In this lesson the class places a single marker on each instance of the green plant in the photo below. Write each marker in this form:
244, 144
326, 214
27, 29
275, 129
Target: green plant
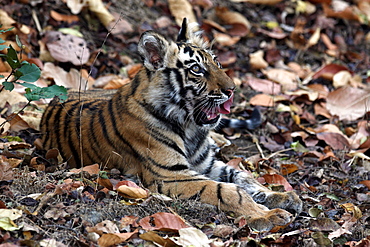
24, 73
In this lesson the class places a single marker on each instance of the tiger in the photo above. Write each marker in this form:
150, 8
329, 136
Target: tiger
157, 128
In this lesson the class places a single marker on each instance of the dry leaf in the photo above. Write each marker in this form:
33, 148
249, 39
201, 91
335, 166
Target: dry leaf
263, 85
328, 71
341, 79
287, 79
163, 222
267, 2
288, 168
236, 23
154, 237
262, 100
12, 98
76, 5
277, 179
72, 79
132, 192
314, 38
105, 226
324, 224
181, 9
257, 61
191, 237
66, 47
66, 18
348, 103
101, 12
112, 239
225, 40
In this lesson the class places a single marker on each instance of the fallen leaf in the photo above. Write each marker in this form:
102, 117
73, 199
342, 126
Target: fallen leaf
262, 100
287, 79
181, 9
352, 209
277, 179
66, 47
191, 237
105, 226
341, 78
263, 85
163, 222
324, 224
66, 18
225, 40
267, 2
76, 5
348, 103
236, 23
335, 140
328, 71
12, 214
111, 239
101, 12
154, 237
132, 192
72, 79
288, 168
8, 225
257, 61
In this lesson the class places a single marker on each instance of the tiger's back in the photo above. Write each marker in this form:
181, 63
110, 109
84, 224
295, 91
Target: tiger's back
157, 127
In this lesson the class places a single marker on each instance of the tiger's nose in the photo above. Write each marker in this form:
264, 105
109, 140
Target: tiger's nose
228, 92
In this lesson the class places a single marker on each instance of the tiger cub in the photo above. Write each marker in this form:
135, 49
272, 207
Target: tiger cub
157, 126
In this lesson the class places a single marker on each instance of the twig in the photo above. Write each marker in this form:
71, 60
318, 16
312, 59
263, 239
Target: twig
16, 114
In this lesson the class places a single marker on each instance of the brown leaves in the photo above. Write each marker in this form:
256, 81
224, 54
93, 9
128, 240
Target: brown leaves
66, 47
348, 103
162, 221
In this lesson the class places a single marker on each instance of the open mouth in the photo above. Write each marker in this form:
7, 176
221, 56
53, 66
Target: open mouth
212, 115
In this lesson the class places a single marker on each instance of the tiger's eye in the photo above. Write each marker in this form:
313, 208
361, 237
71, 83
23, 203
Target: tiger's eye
195, 68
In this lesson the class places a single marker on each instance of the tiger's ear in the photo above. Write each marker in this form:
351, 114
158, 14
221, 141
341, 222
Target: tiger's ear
153, 47
189, 33
183, 34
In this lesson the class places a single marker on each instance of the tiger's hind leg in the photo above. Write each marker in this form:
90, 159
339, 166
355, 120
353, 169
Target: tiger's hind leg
228, 196
260, 194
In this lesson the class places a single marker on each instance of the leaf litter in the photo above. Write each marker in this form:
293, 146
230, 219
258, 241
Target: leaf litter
291, 59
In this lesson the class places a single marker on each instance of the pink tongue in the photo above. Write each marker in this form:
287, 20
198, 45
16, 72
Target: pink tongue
225, 107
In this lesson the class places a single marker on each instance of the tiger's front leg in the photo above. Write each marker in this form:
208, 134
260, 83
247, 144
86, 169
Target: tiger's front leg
260, 194
187, 184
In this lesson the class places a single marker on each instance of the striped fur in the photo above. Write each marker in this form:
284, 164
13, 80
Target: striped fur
157, 127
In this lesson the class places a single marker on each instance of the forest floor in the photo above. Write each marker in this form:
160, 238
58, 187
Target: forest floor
304, 64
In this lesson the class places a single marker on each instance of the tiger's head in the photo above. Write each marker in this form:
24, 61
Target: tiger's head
187, 82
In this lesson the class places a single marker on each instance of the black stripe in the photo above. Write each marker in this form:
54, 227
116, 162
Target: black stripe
240, 192
165, 140
92, 106
198, 194
219, 193
231, 175
185, 180
57, 131
119, 134
202, 157
167, 122
223, 174
176, 167
70, 114
44, 122
209, 168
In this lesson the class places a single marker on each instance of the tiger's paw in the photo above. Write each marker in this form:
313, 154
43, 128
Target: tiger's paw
285, 200
268, 220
